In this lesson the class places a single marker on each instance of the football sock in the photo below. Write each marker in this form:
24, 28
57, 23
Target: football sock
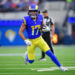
53, 57
30, 61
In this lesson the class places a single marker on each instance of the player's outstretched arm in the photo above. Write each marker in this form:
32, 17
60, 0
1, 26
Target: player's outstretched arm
53, 30
22, 28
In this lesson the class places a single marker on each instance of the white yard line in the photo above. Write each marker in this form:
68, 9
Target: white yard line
15, 68
54, 68
38, 70
68, 61
16, 54
13, 47
12, 54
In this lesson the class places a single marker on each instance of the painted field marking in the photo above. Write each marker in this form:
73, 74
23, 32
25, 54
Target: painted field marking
43, 69
53, 69
16, 54
37, 69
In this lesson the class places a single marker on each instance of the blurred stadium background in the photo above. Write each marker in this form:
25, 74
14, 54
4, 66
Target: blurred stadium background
11, 58
61, 11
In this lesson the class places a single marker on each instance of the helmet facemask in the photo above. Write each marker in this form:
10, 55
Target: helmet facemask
33, 14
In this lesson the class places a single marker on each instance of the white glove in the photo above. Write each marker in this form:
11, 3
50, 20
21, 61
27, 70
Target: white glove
45, 29
28, 43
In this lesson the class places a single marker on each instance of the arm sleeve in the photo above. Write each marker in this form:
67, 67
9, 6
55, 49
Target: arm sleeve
51, 22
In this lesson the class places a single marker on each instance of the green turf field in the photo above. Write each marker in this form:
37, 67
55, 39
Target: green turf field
12, 62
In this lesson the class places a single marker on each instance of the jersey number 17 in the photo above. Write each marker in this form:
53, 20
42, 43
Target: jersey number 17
35, 27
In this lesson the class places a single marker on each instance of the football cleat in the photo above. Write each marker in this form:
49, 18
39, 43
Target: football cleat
63, 68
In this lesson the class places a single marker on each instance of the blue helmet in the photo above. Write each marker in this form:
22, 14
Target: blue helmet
34, 8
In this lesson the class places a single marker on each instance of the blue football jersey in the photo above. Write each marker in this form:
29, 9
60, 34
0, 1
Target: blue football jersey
33, 27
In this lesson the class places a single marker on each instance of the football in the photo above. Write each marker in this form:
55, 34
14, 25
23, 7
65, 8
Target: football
45, 28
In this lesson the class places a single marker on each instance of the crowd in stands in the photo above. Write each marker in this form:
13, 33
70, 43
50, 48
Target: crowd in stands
16, 5
22, 5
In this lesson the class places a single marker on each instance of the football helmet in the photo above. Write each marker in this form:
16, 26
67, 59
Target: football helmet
33, 11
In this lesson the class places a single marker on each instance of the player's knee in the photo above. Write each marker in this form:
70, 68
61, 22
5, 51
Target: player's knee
31, 61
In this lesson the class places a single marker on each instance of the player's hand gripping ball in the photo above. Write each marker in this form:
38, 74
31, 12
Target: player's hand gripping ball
45, 28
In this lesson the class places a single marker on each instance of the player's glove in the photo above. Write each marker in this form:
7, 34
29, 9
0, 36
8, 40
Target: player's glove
45, 29
28, 43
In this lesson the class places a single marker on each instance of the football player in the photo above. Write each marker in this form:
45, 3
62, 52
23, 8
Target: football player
33, 24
